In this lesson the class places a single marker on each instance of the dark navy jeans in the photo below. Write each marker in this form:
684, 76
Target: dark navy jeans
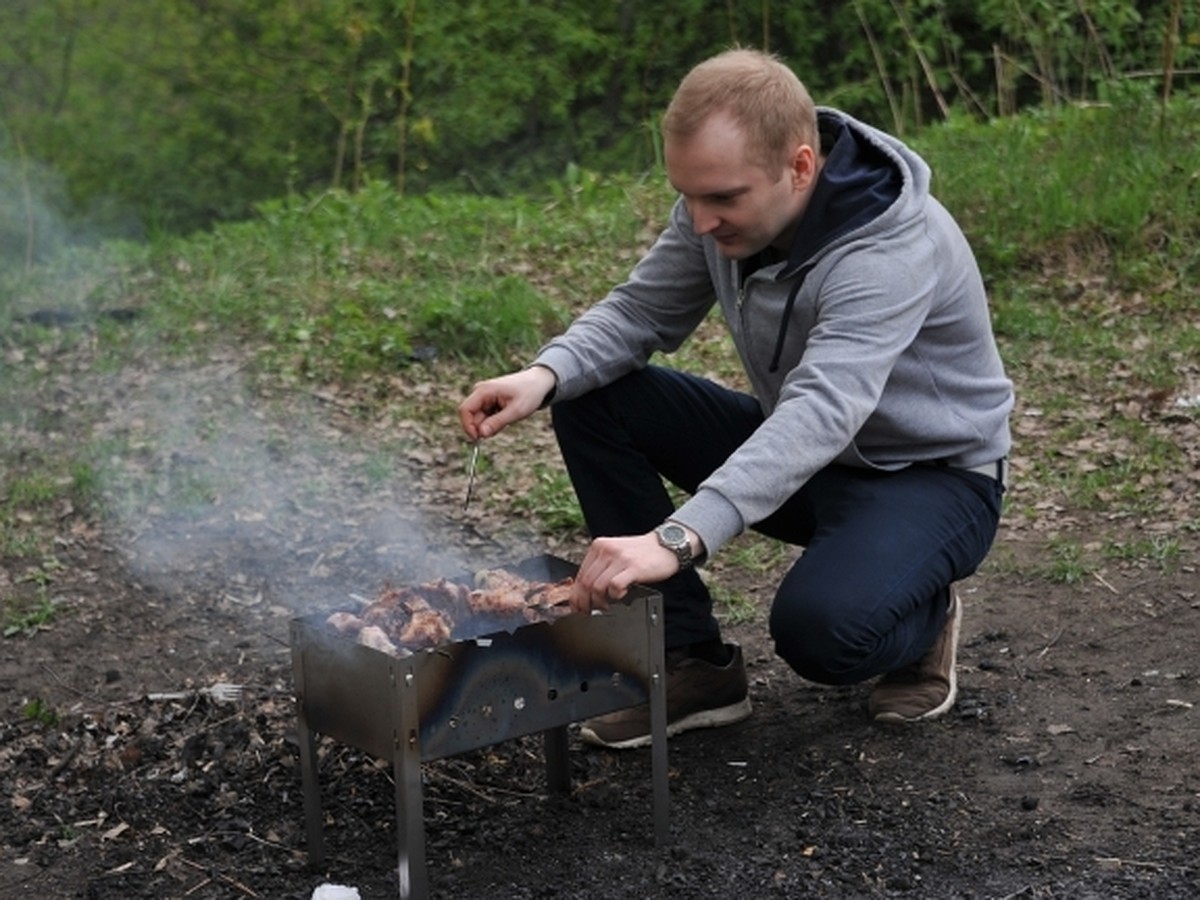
867, 595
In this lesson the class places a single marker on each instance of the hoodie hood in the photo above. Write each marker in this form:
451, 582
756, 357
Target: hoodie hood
858, 182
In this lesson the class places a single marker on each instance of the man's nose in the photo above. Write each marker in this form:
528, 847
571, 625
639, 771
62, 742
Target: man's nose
703, 219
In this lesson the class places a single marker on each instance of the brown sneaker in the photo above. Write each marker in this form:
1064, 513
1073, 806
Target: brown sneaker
700, 694
927, 688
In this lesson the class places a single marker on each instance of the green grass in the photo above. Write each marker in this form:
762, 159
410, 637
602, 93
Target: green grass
732, 607
26, 611
343, 286
1069, 562
1108, 182
1161, 552
34, 493
38, 710
551, 502
28, 619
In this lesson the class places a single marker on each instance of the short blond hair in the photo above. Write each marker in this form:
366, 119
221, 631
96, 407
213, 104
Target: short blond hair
765, 98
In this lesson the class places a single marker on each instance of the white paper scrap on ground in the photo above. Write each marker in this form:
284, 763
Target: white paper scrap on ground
336, 892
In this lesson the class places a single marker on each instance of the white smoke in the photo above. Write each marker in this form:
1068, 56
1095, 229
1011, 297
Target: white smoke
255, 499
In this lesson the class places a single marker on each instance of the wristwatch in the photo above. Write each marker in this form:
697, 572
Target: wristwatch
674, 537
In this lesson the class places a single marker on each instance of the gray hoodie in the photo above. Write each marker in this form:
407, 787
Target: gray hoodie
870, 346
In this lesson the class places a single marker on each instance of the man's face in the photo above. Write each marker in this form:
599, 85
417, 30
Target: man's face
742, 206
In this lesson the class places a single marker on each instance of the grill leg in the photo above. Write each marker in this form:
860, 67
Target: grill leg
311, 787
410, 816
313, 826
558, 767
658, 720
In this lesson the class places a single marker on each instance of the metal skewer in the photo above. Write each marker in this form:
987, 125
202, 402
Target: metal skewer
471, 467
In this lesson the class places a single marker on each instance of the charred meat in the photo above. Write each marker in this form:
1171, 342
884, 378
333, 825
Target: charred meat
404, 619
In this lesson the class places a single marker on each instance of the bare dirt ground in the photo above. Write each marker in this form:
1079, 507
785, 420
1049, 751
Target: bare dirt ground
1067, 769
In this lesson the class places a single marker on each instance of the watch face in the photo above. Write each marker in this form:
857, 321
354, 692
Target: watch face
673, 534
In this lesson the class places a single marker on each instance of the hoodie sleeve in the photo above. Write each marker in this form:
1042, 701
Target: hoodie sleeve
665, 298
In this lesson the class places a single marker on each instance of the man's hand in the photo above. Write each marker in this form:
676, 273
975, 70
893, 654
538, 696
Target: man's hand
613, 564
498, 402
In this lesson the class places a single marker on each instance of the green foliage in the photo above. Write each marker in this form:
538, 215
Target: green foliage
142, 118
345, 284
34, 491
26, 614
1112, 176
32, 498
1160, 551
732, 607
487, 319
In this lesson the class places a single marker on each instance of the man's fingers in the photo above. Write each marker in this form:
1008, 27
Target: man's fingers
604, 575
584, 600
481, 414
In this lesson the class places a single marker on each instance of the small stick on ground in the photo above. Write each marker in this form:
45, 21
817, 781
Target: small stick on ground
232, 882
1049, 646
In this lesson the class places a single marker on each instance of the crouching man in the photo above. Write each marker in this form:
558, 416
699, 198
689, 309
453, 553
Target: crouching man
876, 433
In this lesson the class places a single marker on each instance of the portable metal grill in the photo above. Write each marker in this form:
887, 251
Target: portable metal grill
475, 691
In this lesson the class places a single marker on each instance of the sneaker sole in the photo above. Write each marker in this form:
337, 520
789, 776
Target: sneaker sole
888, 718
707, 718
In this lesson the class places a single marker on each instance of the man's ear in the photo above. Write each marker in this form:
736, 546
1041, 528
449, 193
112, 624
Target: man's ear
803, 167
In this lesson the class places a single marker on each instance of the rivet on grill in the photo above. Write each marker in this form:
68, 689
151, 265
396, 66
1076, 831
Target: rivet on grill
519, 703
453, 723
616, 679
408, 679
486, 710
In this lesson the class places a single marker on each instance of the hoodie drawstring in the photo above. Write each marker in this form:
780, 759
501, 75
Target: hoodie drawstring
783, 324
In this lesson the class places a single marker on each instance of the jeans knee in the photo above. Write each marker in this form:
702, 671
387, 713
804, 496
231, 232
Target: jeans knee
817, 640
